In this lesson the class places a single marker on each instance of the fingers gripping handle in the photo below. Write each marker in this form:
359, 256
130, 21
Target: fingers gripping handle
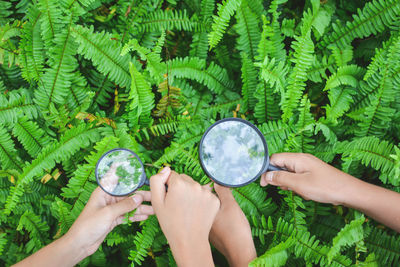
275, 168
147, 182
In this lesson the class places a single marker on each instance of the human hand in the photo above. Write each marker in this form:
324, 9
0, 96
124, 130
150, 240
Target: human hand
101, 214
230, 232
309, 177
185, 213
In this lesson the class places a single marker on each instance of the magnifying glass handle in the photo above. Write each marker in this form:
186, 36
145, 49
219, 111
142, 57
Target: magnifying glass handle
147, 182
275, 168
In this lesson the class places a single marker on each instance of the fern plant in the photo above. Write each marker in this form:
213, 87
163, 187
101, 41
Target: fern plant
78, 78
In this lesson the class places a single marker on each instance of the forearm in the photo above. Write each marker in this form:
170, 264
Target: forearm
62, 252
381, 204
192, 253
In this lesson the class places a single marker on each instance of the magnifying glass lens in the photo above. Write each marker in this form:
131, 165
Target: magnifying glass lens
232, 153
119, 172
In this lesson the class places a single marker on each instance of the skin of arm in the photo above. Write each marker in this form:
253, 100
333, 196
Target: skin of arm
101, 214
185, 213
316, 180
231, 232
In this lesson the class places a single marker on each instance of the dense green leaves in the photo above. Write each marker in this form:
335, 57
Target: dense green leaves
78, 78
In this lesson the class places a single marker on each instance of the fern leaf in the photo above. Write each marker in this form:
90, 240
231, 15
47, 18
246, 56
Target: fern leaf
372, 150
57, 78
37, 230
372, 19
142, 99
214, 77
274, 257
50, 21
30, 135
72, 141
8, 155
104, 53
385, 247
345, 75
249, 79
248, 30
18, 104
225, 10
32, 56
251, 199
144, 240
303, 48
169, 20
348, 235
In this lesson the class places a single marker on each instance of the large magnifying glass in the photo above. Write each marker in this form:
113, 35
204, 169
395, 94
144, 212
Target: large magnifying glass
233, 152
120, 172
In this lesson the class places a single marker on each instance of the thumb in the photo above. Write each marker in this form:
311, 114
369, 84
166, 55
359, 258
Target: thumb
157, 186
126, 205
279, 178
224, 193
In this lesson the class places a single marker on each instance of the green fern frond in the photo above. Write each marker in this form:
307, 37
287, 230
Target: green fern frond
300, 140
141, 97
214, 77
274, 257
32, 54
169, 20
271, 40
104, 53
375, 152
307, 246
50, 21
153, 61
3, 242
350, 234
61, 211
73, 140
372, 19
385, 247
225, 10
62, 64
251, 199
345, 75
37, 230
8, 154
166, 126
16, 104
248, 30
302, 58
30, 135
144, 240
275, 133
340, 99
249, 79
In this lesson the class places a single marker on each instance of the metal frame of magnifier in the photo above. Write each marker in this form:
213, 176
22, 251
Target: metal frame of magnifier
144, 180
265, 164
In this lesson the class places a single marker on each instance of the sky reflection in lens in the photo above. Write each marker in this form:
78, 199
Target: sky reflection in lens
119, 172
233, 153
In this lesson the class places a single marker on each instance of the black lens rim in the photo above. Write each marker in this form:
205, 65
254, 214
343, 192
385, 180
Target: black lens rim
266, 156
143, 178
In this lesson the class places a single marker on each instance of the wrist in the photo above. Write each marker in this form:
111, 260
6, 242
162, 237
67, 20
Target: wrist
71, 245
192, 252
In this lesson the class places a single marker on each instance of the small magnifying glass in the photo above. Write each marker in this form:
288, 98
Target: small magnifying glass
233, 152
120, 172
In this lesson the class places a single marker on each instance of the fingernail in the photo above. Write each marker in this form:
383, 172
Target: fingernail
137, 199
263, 182
165, 170
269, 176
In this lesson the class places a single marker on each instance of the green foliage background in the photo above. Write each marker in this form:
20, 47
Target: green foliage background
80, 77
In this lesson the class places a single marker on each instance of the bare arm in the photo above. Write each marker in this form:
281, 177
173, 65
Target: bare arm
313, 179
100, 215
